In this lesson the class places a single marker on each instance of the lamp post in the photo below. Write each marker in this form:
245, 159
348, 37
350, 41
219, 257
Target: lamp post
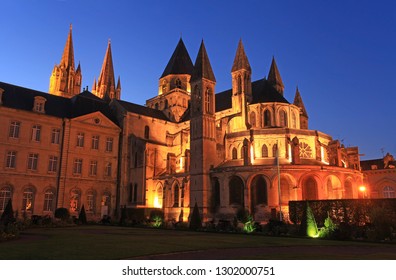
362, 189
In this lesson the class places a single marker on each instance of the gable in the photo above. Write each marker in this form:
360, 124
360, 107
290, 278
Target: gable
96, 119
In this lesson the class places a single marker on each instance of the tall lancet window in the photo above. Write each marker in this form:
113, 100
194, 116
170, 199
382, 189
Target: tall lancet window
208, 101
239, 84
282, 118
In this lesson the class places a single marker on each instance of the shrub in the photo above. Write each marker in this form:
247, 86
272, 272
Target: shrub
195, 222
62, 213
82, 217
8, 214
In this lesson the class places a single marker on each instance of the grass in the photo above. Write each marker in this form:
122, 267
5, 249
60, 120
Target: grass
109, 242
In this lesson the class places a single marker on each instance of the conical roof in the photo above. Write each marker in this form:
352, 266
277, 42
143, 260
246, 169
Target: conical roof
180, 62
202, 67
299, 103
240, 61
68, 53
274, 76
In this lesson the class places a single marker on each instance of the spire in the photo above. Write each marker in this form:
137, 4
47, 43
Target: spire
274, 77
68, 53
202, 67
299, 103
241, 61
106, 82
94, 86
180, 62
119, 83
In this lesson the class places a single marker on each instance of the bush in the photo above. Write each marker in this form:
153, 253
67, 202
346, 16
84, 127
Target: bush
82, 217
195, 222
8, 214
62, 213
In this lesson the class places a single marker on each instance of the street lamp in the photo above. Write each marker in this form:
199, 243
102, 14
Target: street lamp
362, 189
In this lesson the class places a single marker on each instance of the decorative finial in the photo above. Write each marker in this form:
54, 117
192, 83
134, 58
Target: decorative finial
71, 27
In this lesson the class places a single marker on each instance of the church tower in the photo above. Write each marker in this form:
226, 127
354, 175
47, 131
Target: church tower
241, 84
303, 112
106, 87
65, 79
202, 133
274, 77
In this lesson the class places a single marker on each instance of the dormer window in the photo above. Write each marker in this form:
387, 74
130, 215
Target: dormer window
178, 83
39, 104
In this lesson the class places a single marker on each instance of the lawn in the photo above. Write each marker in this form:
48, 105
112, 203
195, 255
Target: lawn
110, 242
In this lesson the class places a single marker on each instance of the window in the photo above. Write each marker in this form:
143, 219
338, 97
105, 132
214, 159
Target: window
77, 166
80, 139
11, 159
146, 132
178, 83
27, 200
282, 118
305, 150
5, 196
108, 169
53, 164
36, 133
32, 162
109, 144
275, 150
14, 129
234, 153
293, 120
176, 197
208, 101
95, 142
39, 104
267, 118
55, 136
93, 168
264, 151
90, 201
49, 200
389, 192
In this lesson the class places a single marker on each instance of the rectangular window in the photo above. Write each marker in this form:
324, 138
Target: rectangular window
109, 144
14, 129
36, 133
77, 166
11, 159
108, 169
80, 139
55, 136
53, 164
32, 162
93, 168
90, 202
95, 142
48, 201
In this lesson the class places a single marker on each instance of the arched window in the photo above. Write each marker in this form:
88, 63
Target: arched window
208, 101
259, 191
282, 118
264, 151
160, 196
234, 153
28, 199
253, 119
236, 191
239, 84
106, 203
146, 132
49, 200
389, 192
5, 196
178, 83
176, 195
285, 190
310, 189
267, 118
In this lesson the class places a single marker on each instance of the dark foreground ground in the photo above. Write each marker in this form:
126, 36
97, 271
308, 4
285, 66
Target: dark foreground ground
110, 242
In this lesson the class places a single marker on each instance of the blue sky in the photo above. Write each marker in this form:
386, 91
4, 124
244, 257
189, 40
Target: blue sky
341, 54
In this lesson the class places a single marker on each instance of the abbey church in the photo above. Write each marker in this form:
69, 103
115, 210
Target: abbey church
247, 147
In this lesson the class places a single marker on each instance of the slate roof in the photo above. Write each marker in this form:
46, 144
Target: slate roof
143, 110
84, 103
366, 164
202, 67
180, 62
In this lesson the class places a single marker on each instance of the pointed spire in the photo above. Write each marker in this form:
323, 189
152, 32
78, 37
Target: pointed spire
78, 68
119, 83
68, 53
94, 86
241, 61
180, 62
274, 77
202, 67
106, 81
299, 103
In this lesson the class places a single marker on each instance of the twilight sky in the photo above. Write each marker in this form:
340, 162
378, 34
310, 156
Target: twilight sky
341, 54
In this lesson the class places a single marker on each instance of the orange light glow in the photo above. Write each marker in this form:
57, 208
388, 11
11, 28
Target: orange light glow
362, 188
251, 154
157, 203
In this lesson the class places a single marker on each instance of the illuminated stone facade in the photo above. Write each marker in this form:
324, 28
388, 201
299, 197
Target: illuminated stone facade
247, 147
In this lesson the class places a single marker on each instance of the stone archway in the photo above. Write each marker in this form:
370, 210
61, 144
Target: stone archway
236, 191
310, 189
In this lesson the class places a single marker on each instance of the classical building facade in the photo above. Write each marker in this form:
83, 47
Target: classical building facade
246, 147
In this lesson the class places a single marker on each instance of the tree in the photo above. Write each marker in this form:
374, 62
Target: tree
8, 214
195, 222
82, 217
